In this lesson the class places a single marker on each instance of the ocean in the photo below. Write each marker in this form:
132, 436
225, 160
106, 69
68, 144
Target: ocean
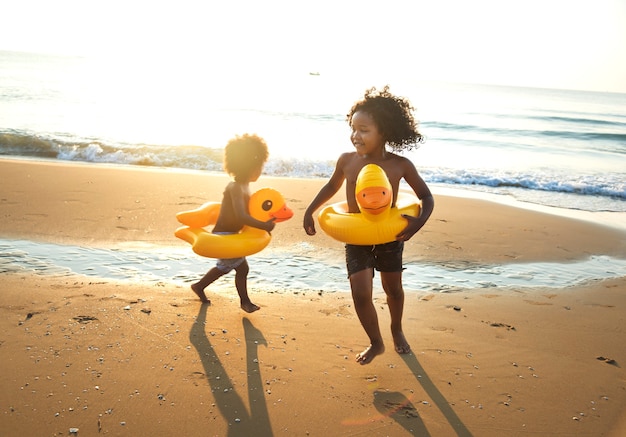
546, 148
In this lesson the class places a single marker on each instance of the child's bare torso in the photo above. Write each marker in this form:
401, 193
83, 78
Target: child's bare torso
392, 164
229, 220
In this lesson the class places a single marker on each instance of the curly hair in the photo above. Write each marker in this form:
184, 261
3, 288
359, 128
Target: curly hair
244, 155
394, 117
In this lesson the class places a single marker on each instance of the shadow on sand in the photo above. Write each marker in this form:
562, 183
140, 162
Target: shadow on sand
398, 407
241, 420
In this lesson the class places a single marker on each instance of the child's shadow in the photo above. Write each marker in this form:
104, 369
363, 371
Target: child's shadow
403, 411
399, 408
229, 402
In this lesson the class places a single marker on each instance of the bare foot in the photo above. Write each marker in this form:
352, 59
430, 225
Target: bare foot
369, 353
200, 293
402, 346
249, 307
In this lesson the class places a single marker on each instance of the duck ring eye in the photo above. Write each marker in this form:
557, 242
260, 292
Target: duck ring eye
267, 205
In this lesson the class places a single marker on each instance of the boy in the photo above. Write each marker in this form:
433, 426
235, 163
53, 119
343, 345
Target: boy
244, 157
378, 120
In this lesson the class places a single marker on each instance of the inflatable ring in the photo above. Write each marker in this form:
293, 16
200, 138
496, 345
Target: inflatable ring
378, 222
264, 205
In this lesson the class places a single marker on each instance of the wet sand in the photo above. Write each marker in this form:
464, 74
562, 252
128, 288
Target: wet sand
133, 358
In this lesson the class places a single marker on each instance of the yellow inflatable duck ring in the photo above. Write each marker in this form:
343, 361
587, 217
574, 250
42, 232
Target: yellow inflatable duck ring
264, 205
378, 222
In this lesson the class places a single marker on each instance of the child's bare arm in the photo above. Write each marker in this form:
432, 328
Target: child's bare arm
415, 181
241, 210
332, 186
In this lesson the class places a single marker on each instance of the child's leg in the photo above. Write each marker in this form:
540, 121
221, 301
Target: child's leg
392, 284
361, 285
241, 283
206, 280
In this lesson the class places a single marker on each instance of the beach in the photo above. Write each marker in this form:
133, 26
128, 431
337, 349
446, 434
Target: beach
130, 358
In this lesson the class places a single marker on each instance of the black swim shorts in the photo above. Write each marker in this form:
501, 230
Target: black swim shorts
382, 257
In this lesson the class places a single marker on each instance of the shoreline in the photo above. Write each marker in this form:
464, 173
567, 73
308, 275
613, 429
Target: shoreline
76, 203
132, 357
611, 219
285, 270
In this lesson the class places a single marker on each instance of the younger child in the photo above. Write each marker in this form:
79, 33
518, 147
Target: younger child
378, 120
244, 157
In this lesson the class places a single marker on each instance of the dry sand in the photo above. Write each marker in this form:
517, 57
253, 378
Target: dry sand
128, 358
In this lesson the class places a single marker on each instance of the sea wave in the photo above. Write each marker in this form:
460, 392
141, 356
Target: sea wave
98, 151
457, 129
585, 121
193, 157
612, 186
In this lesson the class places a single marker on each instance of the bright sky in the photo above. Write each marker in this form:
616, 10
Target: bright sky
575, 44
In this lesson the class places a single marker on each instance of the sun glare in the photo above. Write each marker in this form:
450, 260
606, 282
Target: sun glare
558, 43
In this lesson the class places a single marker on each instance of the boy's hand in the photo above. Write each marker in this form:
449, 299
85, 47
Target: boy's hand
309, 224
269, 225
414, 224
